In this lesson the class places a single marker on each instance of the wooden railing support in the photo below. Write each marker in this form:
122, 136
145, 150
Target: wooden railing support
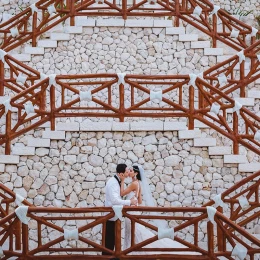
2, 78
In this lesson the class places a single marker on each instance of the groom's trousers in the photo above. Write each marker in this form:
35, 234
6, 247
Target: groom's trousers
110, 236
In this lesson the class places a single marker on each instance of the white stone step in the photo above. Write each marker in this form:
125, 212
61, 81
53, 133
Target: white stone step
221, 58
200, 44
175, 126
198, 124
213, 51
249, 102
2, 167
247, 67
9, 159
22, 57
175, 30
219, 150
38, 142
18, 150
204, 142
96, 126
139, 23
162, 23
146, 126
189, 134
53, 135
235, 158
85, 21
72, 126
110, 22
120, 126
249, 167
188, 37
253, 93
73, 29
47, 43
34, 50
60, 36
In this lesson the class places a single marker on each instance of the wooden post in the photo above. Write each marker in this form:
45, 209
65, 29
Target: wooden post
72, 13
177, 14
215, 28
220, 234
8, 132
235, 129
34, 30
118, 239
124, 9
210, 240
52, 119
122, 102
191, 105
2, 77
25, 237
17, 232
242, 78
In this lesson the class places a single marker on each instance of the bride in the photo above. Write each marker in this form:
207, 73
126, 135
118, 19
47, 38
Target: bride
140, 189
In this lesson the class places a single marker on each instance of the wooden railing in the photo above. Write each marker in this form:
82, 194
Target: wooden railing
43, 238
180, 98
220, 26
48, 220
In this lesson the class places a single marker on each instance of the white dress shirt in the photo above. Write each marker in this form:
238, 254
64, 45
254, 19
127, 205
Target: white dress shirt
112, 195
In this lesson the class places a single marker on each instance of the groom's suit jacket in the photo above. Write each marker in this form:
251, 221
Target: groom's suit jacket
112, 195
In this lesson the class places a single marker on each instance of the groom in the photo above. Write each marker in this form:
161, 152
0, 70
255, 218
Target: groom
112, 197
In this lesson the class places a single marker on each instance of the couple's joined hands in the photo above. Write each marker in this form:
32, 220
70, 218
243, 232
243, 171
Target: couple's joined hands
133, 201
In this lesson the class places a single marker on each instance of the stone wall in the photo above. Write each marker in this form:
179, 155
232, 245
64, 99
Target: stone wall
73, 172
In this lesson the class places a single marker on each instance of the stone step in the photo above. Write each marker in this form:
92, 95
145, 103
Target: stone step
213, 51
53, 135
38, 142
96, 126
139, 23
204, 142
22, 57
110, 22
34, 50
22, 150
221, 58
72, 126
249, 167
60, 36
175, 126
9, 159
253, 93
47, 44
235, 158
189, 134
188, 37
220, 150
175, 30
73, 29
200, 44
146, 126
85, 21
162, 23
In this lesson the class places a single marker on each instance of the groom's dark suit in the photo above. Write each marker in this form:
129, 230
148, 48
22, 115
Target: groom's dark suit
112, 197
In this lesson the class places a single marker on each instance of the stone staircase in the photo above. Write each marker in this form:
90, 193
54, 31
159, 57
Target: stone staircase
40, 146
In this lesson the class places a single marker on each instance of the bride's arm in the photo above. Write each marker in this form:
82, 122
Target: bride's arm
140, 199
130, 188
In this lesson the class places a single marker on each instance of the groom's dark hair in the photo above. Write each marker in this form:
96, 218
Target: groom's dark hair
120, 168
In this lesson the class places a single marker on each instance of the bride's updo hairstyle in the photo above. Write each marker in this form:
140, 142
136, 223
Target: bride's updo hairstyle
136, 169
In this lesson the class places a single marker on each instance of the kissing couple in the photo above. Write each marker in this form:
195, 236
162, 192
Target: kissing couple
136, 192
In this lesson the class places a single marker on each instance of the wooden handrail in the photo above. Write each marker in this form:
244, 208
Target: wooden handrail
183, 11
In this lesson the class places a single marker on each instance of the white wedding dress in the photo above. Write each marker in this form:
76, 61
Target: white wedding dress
142, 233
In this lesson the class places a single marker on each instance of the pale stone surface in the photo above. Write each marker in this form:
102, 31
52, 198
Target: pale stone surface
9, 159
146, 126
38, 142
171, 126
219, 150
249, 167
188, 37
232, 158
204, 142
53, 135
189, 134
93, 126
23, 150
